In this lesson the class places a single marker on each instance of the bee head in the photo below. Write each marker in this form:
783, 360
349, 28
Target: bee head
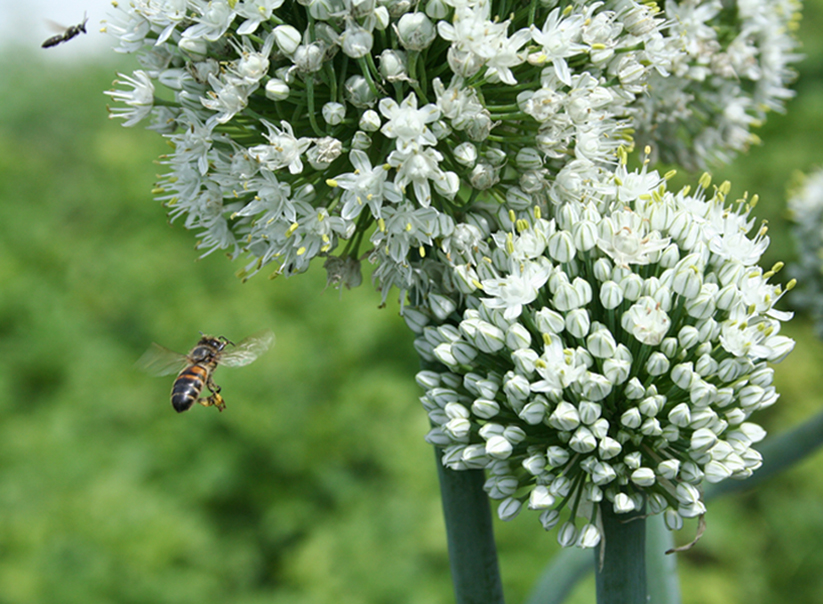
216, 343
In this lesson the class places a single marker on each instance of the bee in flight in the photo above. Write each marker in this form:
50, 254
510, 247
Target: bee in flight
195, 369
68, 32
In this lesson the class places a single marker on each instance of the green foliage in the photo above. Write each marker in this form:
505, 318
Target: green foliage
315, 484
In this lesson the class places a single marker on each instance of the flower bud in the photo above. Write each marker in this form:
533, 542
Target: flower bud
564, 417
631, 418
567, 534
583, 441
466, 154
529, 158
682, 375
308, 58
333, 113
716, 471
623, 504
393, 65
549, 519
508, 508
673, 520
485, 409
561, 247
589, 536
370, 121
438, 437
549, 321
415, 31
277, 89
617, 371
194, 47
533, 413
483, 176
534, 464
584, 235
609, 448
498, 447
361, 141
702, 440
577, 322
358, 92
632, 286
680, 415
643, 477
458, 429
601, 344
668, 469
657, 364
557, 457
611, 295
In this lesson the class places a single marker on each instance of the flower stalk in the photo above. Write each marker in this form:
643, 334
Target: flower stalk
472, 550
620, 567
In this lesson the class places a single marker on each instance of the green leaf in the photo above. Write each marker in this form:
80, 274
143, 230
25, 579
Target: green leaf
561, 576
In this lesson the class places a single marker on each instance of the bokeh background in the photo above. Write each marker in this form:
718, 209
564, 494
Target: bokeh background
315, 485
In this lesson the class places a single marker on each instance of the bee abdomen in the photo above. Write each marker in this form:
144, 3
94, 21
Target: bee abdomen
187, 387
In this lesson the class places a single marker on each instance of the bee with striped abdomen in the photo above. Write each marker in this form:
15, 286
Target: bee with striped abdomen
68, 32
195, 369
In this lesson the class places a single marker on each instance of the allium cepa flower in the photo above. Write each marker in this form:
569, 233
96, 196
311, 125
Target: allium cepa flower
354, 130
612, 355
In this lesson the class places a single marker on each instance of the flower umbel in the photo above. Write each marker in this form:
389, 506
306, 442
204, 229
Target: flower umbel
353, 109
582, 377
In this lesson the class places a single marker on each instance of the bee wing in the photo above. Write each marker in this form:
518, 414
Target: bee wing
55, 27
248, 349
159, 360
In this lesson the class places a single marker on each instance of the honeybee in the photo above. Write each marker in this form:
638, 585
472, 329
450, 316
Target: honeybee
195, 369
68, 33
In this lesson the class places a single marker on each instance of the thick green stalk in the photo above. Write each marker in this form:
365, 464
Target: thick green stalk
622, 577
472, 551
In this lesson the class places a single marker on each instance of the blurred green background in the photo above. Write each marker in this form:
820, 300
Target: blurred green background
315, 485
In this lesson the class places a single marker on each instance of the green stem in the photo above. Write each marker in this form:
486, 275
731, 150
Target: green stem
622, 577
472, 551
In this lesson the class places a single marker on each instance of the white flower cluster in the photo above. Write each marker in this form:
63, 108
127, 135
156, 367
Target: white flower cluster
352, 128
734, 70
806, 212
610, 356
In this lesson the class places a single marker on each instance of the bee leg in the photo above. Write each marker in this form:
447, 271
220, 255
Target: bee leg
213, 400
212, 386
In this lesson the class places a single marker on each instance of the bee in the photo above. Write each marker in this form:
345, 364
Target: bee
68, 33
195, 369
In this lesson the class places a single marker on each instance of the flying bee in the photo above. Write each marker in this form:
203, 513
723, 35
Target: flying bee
195, 369
68, 32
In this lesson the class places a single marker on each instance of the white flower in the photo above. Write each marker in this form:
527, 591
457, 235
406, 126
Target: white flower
512, 292
365, 187
626, 241
140, 99
558, 39
284, 149
646, 321
408, 124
